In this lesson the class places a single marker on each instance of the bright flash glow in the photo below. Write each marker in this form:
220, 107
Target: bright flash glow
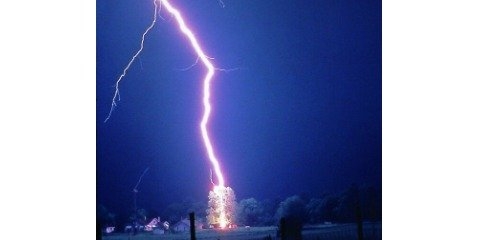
219, 191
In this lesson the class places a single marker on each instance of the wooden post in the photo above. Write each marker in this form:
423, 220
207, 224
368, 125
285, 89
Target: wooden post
282, 228
192, 226
359, 218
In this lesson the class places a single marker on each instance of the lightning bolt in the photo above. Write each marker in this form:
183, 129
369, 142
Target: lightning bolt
220, 189
206, 88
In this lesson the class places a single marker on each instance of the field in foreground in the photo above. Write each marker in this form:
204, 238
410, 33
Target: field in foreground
372, 231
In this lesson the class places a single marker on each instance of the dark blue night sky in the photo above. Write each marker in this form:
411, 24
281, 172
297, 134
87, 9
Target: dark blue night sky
302, 114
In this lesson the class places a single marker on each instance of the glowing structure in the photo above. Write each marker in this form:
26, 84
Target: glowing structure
221, 192
221, 206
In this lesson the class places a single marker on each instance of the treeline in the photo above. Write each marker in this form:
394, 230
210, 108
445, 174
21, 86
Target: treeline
346, 206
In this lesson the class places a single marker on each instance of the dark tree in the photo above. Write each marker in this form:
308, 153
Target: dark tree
327, 209
314, 210
249, 212
269, 210
292, 215
177, 211
138, 217
346, 209
370, 200
174, 212
105, 217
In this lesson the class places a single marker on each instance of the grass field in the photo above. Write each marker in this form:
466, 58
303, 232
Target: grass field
372, 231
233, 234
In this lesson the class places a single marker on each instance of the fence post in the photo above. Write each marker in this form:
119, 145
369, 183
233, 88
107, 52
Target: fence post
282, 228
192, 226
359, 222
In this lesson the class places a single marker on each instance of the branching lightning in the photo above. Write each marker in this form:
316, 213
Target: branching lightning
135, 189
222, 193
117, 84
